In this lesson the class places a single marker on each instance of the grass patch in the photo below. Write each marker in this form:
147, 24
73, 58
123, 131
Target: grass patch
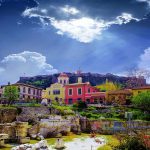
70, 137
111, 141
6, 147
7, 107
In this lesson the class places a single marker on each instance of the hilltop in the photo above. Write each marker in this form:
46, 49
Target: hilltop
45, 81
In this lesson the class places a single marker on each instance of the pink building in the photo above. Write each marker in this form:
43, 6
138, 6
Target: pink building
83, 91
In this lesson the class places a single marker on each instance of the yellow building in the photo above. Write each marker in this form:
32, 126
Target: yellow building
56, 92
138, 90
108, 86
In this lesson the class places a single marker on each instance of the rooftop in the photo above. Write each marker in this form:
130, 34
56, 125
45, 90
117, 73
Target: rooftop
76, 84
28, 85
142, 87
124, 91
63, 75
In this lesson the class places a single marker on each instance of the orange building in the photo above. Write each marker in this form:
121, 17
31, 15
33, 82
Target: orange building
119, 97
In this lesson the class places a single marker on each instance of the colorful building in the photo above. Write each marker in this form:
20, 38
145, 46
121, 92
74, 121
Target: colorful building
62, 91
119, 97
138, 90
83, 91
57, 90
27, 92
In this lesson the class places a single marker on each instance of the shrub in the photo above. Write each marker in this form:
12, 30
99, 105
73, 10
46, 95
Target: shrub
131, 143
142, 100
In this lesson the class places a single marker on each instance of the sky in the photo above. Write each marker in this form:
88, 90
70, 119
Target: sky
39, 37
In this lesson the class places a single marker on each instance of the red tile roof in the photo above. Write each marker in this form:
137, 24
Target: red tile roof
63, 75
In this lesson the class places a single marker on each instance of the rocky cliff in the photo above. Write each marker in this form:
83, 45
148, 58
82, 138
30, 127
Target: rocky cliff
45, 81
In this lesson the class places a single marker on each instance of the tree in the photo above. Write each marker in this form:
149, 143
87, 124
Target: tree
108, 86
142, 100
80, 105
11, 93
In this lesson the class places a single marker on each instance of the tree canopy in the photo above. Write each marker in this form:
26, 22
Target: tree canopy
80, 105
142, 100
11, 94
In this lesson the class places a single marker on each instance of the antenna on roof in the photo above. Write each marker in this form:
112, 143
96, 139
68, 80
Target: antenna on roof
79, 71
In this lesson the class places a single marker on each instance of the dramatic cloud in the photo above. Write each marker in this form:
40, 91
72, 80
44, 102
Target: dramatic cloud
145, 59
125, 18
143, 67
26, 63
69, 10
83, 29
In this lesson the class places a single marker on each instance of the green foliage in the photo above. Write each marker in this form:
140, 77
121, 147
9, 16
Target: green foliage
131, 143
142, 100
63, 110
80, 105
114, 113
27, 105
11, 94
90, 115
91, 108
111, 142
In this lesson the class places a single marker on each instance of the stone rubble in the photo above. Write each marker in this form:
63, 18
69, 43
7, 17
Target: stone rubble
42, 145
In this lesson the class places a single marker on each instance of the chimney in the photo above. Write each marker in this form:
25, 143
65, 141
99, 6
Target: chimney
79, 79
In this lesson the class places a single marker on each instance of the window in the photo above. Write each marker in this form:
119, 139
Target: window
56, 92
40, 93
79, 99
34, 92
88, 90
70, 92
70, 101
88, 101
79, 91
37, 92
64, 81
24, 90
29, 91
61, 81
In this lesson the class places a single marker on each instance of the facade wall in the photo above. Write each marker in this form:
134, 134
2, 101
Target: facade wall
63, 80
120, 97
69, 99
54, 92
86, 94
137, 91
27, 92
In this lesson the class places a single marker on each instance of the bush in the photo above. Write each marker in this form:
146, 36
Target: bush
80, 105
142, 100
64, 110
131, 143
